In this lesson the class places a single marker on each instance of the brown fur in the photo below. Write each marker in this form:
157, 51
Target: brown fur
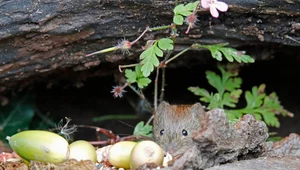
173, 119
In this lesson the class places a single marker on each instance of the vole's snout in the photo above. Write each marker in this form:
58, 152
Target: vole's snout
172, 150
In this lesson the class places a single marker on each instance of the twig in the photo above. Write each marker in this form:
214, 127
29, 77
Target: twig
163, 83
150, 119
127, 66
156, 88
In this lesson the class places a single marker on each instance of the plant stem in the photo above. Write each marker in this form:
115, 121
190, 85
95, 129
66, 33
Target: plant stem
144, 32
126, 66
102, 51
177, 55
141, 95
160, 27
163, 83
156, 88
150, 119
150, 29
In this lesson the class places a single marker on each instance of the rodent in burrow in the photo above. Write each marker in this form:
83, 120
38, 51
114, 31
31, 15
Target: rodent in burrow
173, 126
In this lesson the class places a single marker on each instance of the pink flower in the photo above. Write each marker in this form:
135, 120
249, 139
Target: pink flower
214, 6
118, 91
191, 21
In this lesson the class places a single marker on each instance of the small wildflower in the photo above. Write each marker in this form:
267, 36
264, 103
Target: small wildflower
124, 45
118, 91
214, 6
191, 21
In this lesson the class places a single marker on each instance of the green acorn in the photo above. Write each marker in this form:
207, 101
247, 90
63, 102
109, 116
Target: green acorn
40, 145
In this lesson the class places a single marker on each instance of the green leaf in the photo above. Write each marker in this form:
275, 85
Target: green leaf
215, 101
254, 99
261, 106
270, 118
192, 5
273, 136
229, 81
247, 59
256, 115
206, 97
178, 19
233, 114
215, 53
138, 71
130, 75
230, 54
137, 77
178, 8
233, 83
149, 59
144, 130
143, 82
225, 82
183, 10
215, 81
165, 44
230, 99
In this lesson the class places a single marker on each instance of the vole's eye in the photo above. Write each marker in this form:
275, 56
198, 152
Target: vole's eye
161, 132
184, 132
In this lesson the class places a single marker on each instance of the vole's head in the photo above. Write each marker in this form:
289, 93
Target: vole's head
174, 125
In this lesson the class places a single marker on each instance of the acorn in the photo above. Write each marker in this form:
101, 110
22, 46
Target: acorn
40, 145
82, 150
119, 154
146, 152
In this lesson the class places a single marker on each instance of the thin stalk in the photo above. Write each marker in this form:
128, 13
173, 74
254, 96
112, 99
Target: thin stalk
177, 55
103, 51
163, 83
150, 119
156, 88
141, 95
127, 66
160, 27
144, 32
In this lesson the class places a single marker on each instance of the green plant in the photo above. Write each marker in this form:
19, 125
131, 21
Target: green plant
143, 129
259, 104
158, 52
182, 10
137, 76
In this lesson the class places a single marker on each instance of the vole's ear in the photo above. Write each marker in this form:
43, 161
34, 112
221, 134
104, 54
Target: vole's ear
162, 107
197, 110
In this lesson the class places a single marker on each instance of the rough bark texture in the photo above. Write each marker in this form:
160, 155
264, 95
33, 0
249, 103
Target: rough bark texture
45, 37
265, 163
219, 142
239, 146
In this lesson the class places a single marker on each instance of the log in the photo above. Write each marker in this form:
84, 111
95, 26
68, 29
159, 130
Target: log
42, 38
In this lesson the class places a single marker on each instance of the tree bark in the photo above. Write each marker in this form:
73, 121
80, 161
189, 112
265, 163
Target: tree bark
39, 38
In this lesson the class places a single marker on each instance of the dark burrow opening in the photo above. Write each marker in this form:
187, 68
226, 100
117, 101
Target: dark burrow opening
94, 98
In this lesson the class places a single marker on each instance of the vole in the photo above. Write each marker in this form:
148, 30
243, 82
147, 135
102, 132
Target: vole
173, 126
